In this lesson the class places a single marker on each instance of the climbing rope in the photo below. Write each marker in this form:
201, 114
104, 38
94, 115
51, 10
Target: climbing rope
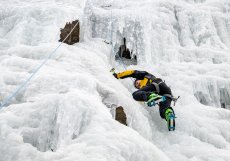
24, 83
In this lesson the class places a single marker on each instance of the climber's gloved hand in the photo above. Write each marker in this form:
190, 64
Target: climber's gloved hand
115, 75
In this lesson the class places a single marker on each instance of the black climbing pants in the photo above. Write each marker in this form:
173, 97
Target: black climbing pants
143, 94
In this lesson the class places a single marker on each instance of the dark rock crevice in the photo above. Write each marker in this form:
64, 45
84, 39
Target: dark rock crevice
120, 115
74, 37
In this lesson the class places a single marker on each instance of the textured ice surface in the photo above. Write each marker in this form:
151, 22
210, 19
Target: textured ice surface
62, 113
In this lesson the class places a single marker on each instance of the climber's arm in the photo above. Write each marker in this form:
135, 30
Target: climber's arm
131, 73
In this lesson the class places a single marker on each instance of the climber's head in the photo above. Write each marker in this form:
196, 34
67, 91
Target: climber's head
137, 83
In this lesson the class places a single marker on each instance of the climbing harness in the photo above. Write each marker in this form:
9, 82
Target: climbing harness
23, 84
157, 86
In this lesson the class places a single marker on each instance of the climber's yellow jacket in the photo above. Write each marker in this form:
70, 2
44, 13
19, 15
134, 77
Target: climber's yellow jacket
145, 77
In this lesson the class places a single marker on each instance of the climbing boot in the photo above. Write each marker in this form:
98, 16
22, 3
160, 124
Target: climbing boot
170, 118
154, 99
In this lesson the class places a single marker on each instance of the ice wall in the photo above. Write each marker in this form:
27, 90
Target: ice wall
61, 114
190, 35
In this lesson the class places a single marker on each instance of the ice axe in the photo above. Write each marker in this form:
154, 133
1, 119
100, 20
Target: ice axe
112, 70
175, 100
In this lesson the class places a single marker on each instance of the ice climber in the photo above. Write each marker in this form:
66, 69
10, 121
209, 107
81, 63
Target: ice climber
153, 91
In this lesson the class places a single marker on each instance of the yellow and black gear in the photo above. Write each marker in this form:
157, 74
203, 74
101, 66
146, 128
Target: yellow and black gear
125, 74
144, 77
149, 84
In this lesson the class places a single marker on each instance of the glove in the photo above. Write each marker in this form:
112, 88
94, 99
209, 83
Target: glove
115, 75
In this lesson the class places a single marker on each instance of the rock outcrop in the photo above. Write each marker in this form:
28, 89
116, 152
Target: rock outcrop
120, 115
74, 37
